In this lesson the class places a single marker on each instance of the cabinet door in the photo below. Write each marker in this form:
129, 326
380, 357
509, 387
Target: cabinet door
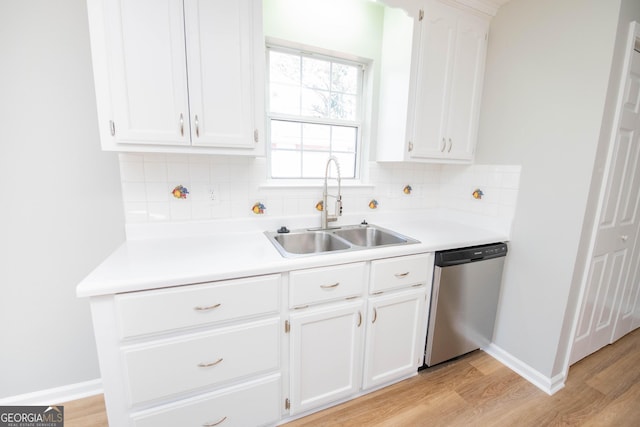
434, 56
147, 71
326, 354
219, 54
449, 76
395, 338
466, 86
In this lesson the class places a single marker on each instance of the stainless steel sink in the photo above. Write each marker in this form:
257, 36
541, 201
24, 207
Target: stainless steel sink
308, 242
348, 238
370, 236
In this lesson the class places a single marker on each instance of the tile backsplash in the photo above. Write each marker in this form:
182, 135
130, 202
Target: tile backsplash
228, 187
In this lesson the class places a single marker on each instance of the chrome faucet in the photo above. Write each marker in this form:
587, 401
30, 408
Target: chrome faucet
326, 218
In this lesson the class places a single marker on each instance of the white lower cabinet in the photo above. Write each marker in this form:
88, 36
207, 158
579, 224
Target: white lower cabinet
203, 354
326, 349
338, 348
394, 342
261, 350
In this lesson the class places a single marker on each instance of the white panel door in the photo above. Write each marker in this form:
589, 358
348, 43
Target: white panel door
629, 310
466, 86
608, 280
219, 53
435, 61
148, 73
326, 354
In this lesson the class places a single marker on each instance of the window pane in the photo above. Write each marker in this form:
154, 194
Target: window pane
314, 164
343, 106
284, 99
286, 135
286, 164
284, 68
316, 137
315, 103
344, 78
315, 73
347, 164
344, 138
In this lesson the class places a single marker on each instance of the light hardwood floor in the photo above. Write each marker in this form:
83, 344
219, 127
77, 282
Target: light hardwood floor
476, 390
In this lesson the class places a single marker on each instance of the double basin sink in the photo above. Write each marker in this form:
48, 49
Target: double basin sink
348, 238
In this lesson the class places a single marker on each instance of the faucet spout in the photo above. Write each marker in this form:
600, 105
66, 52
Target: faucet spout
325, 217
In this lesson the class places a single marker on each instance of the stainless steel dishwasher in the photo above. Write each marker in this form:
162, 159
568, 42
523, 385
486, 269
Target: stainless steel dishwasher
464, 299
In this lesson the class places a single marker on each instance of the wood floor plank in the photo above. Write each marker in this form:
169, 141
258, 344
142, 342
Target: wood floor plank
623, 411
620, 374
87, 412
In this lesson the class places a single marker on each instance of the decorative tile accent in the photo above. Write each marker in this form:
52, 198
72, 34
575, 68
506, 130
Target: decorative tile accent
320, 206
373, 204
258, 208
407, 189
180, 192
477, 194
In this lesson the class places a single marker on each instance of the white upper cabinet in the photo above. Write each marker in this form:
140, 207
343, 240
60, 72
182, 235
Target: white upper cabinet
179, 75
444, 87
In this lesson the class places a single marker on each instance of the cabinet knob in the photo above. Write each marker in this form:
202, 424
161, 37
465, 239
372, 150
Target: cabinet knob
197, 127
410, 146
624, 237
181, 124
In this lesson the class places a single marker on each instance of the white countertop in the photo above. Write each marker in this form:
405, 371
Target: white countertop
189, 253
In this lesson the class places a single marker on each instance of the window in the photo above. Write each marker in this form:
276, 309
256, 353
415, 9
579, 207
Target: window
315, 104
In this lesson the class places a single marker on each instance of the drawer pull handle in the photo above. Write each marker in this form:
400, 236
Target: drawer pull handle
205, 308
359, 318
214, 424
208, 365
335, 285
375, 315
402, 275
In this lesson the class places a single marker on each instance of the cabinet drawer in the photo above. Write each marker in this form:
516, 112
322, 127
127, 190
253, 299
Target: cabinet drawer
255, 404
392, 273
326, 283
174, 366
185, 306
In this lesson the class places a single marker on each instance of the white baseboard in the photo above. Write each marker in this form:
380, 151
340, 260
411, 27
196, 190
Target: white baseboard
55, 395
549, 385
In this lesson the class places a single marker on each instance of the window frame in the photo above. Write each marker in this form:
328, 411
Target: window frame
361, 108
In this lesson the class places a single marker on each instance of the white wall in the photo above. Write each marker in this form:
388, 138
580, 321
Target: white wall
61, 208
546, 82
